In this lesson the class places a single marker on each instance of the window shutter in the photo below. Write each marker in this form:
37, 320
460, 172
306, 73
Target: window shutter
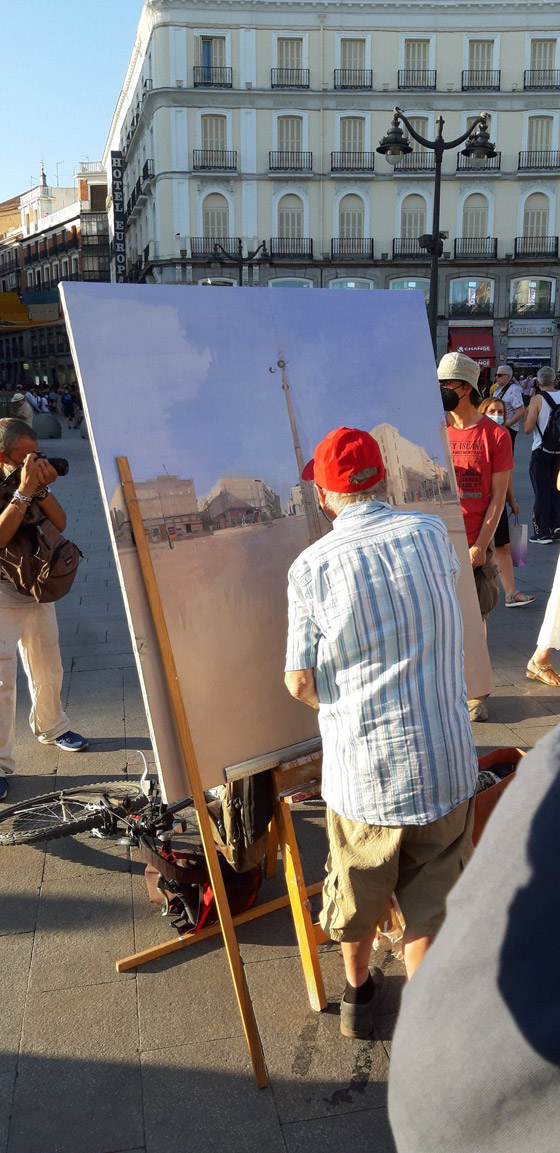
416, 53
480, 55
420, 124
542, 55
214, 132
475, 217
215, 216
290, 218
289, 130
535, 216
351, 218
540, 134
413, 217
352, 134
289, 53
352, 54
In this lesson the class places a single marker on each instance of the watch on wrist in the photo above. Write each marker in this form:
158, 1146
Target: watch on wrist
42, 493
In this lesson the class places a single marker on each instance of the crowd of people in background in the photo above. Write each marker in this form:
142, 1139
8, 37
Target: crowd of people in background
64, 401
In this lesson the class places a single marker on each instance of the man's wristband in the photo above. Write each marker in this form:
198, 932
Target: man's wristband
42, 493
19, 498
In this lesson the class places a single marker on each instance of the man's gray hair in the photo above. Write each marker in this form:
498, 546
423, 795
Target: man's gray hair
506, 368
546, 377
337, 501
12, 431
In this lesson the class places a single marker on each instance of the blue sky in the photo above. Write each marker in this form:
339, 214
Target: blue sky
177, 378
62, 65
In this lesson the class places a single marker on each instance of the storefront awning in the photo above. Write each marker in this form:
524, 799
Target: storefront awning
477, 343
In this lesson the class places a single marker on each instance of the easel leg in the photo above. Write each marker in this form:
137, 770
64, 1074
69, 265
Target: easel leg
297, 892
271, 859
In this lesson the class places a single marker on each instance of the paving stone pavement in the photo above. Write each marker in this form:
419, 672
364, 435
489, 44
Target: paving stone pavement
155, 1061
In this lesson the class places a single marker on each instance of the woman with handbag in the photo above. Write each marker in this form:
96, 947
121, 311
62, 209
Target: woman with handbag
496, 409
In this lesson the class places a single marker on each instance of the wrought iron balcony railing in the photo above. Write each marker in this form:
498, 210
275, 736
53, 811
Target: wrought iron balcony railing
208, 76
210, 159
533, 247
148, 171
290, 161
544, 161
352, 161
408, 249
205, 245
467, 164
531, 311
463, 308
412, 78
352, 248
476, 248
541, 79
289, 77
353, 78
294, 248
417, 162
480, 79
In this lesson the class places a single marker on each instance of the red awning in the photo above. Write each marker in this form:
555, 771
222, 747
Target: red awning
475, 342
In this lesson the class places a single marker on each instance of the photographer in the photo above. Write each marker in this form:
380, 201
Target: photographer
25, 623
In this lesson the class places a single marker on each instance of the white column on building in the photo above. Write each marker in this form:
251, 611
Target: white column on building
248, 57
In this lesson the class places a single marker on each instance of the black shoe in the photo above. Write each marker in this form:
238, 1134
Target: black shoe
541, 539
357, 1020
3, 788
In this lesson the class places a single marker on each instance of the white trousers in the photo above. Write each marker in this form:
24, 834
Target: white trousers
33, 629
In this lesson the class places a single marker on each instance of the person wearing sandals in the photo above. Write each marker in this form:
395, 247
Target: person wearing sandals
497, 411
483, 460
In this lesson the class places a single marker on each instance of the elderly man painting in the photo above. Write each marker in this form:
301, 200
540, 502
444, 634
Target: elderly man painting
375, 644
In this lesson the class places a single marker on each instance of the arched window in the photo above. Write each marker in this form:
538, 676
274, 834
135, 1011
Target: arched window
351, 218
532, 296
213, 132
215, 216
290, 218
535, 215
408, 284
290, 282
470, 296
413, 217
355, 282
475, 216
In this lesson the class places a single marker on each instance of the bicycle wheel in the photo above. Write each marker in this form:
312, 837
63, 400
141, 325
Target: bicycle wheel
69, 811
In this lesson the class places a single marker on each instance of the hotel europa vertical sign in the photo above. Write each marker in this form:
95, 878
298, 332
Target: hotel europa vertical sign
118, 216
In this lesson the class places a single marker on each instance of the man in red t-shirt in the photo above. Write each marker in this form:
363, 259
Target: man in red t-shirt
482, 457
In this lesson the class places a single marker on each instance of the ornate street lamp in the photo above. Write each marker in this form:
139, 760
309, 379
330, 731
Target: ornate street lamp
395, 145
220, 254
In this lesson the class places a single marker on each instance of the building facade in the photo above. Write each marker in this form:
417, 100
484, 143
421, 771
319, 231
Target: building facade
62, 234
241, 122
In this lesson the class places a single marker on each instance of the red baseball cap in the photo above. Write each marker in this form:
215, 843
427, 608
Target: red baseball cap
347, 460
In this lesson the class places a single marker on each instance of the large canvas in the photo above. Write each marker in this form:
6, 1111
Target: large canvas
214, 396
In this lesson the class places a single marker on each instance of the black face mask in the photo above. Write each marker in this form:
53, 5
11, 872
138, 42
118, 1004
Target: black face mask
449, 398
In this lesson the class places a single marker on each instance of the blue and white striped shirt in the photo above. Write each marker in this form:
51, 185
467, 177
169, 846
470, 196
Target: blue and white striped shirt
373, 609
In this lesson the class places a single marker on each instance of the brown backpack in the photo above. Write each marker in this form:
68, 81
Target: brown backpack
38, 561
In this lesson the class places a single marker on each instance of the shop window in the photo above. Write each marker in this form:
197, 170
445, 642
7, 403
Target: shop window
471, 296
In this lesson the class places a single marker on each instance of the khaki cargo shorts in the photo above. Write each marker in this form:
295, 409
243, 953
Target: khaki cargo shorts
366, 863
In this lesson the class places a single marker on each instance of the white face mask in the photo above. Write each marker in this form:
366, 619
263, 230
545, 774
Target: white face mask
496, 417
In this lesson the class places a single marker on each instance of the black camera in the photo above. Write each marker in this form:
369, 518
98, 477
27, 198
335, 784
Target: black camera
59, 463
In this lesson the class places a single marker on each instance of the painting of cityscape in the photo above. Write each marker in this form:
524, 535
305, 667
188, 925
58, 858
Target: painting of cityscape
217, 398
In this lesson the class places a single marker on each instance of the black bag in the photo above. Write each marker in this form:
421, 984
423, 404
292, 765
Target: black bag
185, 891
550, 438
38, 561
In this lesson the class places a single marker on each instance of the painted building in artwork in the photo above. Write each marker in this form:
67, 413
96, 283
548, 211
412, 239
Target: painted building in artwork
412, 474
169, 508
235, 501
241, 122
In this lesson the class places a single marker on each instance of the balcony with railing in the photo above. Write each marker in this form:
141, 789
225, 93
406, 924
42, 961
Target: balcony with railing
352, 161
290, 161
476, 248
537, 160
147, 85
405, 248
352, 248
209, 76
541, 79
353, 79
212, 159
480, 80
535, 247
293, 248
289, 77
463, 309
415, 79
148, 171
416, 162
469, 165
538, 311
205, 245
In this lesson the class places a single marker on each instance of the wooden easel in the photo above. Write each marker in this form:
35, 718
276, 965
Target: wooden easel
288, 780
